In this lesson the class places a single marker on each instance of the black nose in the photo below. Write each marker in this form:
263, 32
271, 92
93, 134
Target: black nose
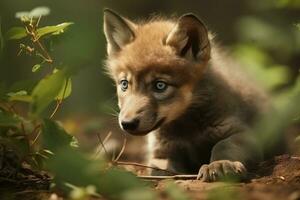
130, 125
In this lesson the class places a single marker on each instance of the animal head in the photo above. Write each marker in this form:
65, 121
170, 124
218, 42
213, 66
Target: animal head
155, 65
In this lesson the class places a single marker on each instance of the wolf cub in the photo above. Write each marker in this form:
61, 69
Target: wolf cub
175, 84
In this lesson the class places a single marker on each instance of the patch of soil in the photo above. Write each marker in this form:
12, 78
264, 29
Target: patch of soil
276, 179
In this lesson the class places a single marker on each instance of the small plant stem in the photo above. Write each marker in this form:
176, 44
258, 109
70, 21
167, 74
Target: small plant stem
47, 56
59, 101
37, 130
102, 144
122, 150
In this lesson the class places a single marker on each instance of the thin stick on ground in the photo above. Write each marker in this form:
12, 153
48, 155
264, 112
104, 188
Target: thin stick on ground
122, 150
174, 177
107, 137
37, 136
103, 146
102, 143
117, 162
145, 166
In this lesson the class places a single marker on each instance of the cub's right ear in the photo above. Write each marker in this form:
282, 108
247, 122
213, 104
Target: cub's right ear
118, 31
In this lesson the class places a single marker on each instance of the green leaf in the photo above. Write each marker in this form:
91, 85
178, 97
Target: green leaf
116, 182
53, 29
7, 119
36, 67
82, 171
259, 65
19, 93
23, 98
82, 192
16, 33
46, 91
54, 136
264, 34
66, 90
269, 130
19, 96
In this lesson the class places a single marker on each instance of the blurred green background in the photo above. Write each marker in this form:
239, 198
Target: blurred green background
260, 33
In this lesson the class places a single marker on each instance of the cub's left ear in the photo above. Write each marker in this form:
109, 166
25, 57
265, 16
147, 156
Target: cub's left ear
189, 37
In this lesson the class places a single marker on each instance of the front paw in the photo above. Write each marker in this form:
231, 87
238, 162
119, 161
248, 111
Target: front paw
221, 169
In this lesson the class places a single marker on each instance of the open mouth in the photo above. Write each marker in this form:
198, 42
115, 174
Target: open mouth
142, 133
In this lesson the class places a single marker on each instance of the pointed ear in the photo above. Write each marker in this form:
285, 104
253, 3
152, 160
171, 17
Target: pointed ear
118, 31
189, 37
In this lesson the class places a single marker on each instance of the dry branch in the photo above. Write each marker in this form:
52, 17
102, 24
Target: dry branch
174, 177
142, 165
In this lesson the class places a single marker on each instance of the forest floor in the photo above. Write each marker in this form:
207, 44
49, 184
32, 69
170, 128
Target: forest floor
276, 179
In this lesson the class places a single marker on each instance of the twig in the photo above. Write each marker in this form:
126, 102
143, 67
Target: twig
38, 21
59, 101
142, 165
122, 150
175, 177
107, 137
47, 55
37, 131
117, 162
103, 146
102, 143
31, 30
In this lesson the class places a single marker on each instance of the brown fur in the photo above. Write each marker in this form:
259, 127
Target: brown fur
213, 105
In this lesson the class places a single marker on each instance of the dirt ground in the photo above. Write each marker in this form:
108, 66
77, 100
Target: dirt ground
276, 179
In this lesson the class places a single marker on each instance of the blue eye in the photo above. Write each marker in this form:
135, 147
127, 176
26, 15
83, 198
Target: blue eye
124, 85
160, 86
